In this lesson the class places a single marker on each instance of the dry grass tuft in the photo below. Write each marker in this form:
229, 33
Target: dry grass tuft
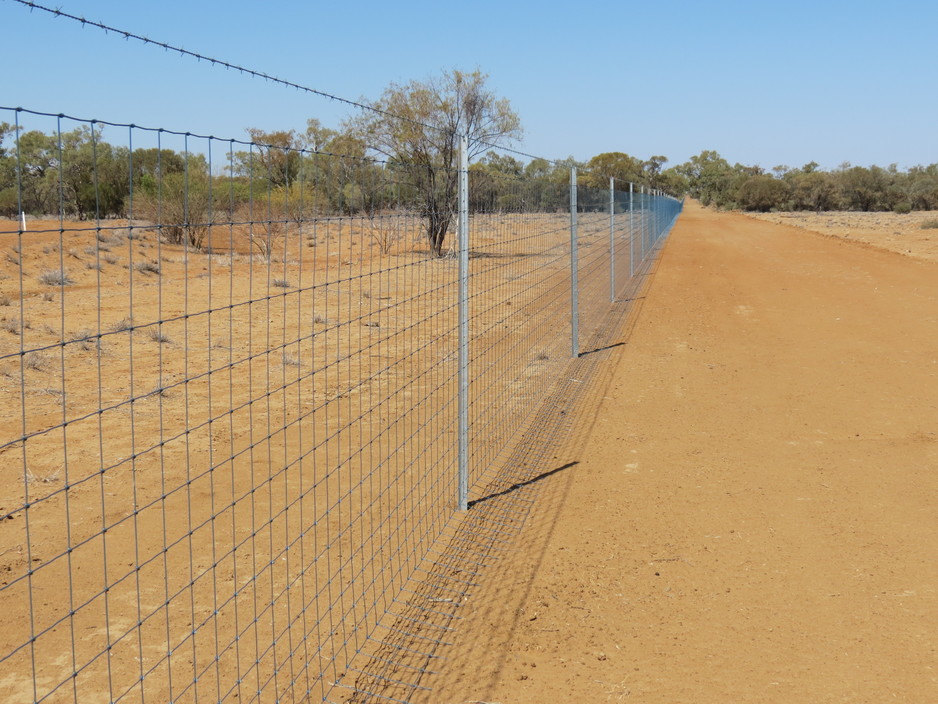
13, 325
88, 340
55, 277
45, 479
148, 267
157, 335
37, 361
123, 324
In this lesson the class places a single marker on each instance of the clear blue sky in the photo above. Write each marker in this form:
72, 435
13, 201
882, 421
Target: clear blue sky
763, 83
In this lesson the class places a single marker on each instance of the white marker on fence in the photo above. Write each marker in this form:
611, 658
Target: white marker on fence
22, 221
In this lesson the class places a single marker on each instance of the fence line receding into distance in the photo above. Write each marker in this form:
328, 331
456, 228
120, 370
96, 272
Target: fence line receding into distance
230, 395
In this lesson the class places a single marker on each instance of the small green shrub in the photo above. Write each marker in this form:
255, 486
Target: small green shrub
902, 208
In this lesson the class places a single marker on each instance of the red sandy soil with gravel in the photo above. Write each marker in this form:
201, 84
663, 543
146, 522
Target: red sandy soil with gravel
753, 515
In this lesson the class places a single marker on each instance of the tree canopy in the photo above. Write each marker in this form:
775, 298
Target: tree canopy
419, 125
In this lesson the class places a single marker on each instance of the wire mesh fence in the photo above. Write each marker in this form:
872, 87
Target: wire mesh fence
229, 382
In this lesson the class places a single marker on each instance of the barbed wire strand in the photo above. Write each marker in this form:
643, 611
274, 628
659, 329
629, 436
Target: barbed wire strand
253, 73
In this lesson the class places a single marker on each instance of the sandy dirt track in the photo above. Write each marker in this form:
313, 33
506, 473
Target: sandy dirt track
753, 516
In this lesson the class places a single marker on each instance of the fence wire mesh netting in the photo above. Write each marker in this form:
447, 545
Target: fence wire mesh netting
230, 403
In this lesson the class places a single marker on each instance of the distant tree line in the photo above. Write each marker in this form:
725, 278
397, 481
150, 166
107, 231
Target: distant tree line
711, 179
81, 175
285, 176
402, 155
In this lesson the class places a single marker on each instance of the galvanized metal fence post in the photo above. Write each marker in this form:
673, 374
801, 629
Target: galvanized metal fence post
653, 222
463, 236
631, 229
612, 239
641, 202
574, 271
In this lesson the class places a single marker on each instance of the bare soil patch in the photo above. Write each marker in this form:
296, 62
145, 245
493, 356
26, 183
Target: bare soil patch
897, 233
752, 516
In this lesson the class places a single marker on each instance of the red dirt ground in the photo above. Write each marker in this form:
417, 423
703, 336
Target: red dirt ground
754, 515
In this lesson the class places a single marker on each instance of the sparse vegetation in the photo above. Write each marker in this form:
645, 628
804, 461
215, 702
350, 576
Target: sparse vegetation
148, 267
123, 325
931, 224
281, 283
88, 340
37, 361
267, 236
385, 229
55, 277
180, 205
157, 335
42, 479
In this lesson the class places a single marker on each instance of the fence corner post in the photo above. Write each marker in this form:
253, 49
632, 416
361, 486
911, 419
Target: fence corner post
463, 402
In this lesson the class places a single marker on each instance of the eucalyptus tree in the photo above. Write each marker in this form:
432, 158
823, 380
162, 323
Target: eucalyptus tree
417, 128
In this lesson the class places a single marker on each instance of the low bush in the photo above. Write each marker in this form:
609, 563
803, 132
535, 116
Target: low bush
55, 277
